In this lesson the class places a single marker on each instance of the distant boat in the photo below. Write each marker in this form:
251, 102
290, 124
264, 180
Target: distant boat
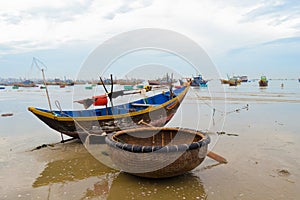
140, 86
156, 110
26, 83
15, 87
299, 80
263, 82
167, 80
2, 88
198, 81
224, 81
244, 78
128, 87
233, 82
89, 87
67, 83
159, 82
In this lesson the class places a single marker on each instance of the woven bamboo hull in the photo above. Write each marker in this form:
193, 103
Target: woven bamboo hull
184, 162
173, 158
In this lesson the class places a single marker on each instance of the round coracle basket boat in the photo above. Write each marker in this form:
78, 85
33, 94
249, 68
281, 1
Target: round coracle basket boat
157, 152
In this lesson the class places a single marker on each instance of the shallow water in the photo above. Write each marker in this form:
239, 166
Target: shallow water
261, 145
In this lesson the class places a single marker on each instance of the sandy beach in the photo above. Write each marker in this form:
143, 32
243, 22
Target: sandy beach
261, 144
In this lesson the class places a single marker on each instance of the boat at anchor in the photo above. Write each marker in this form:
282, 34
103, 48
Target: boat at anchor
156, 110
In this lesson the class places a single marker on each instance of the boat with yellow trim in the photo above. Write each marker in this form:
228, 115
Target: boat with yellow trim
156, 110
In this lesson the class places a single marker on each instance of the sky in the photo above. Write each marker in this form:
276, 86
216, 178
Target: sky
250, 37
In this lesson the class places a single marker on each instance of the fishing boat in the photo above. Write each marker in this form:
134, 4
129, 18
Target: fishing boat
156, 110
26, 83
154, 82
263, 82
161, 152
166, 80
128, 87
233, 82
244, 78
140, 86
224, 81
89, 87
198, 81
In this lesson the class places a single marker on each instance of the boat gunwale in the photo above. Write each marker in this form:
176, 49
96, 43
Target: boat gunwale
49, 114
113, 142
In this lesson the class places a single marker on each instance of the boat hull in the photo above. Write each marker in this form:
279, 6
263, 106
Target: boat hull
159, 153
81, 127
263, 83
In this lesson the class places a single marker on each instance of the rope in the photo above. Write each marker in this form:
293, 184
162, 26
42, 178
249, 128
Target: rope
87, 140
57, 104
221, 111
213, 115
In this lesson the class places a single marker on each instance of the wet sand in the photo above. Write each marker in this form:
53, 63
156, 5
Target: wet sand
261, 145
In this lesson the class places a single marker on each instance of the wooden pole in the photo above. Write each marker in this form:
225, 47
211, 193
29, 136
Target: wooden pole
46, 90
216, 157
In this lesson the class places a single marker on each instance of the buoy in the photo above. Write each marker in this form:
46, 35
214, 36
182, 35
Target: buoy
100, 100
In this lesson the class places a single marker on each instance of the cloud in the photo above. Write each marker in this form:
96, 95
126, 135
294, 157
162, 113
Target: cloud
280, 41
65, 12
277, 12
10, 18
127, 6
220, 27
283, 41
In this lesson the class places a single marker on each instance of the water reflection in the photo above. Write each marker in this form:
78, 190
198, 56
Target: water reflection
69, 162
186, 186
71, 172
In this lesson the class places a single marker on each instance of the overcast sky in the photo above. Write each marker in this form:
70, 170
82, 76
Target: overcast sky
251, 37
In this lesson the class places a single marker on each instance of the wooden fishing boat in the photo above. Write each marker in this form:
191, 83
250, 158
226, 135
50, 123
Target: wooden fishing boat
233, 82
224, 81
26, 83
263, 82
156, 110
155, 82
157, 152
140, 86
198, 81
244, 78
128, 87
